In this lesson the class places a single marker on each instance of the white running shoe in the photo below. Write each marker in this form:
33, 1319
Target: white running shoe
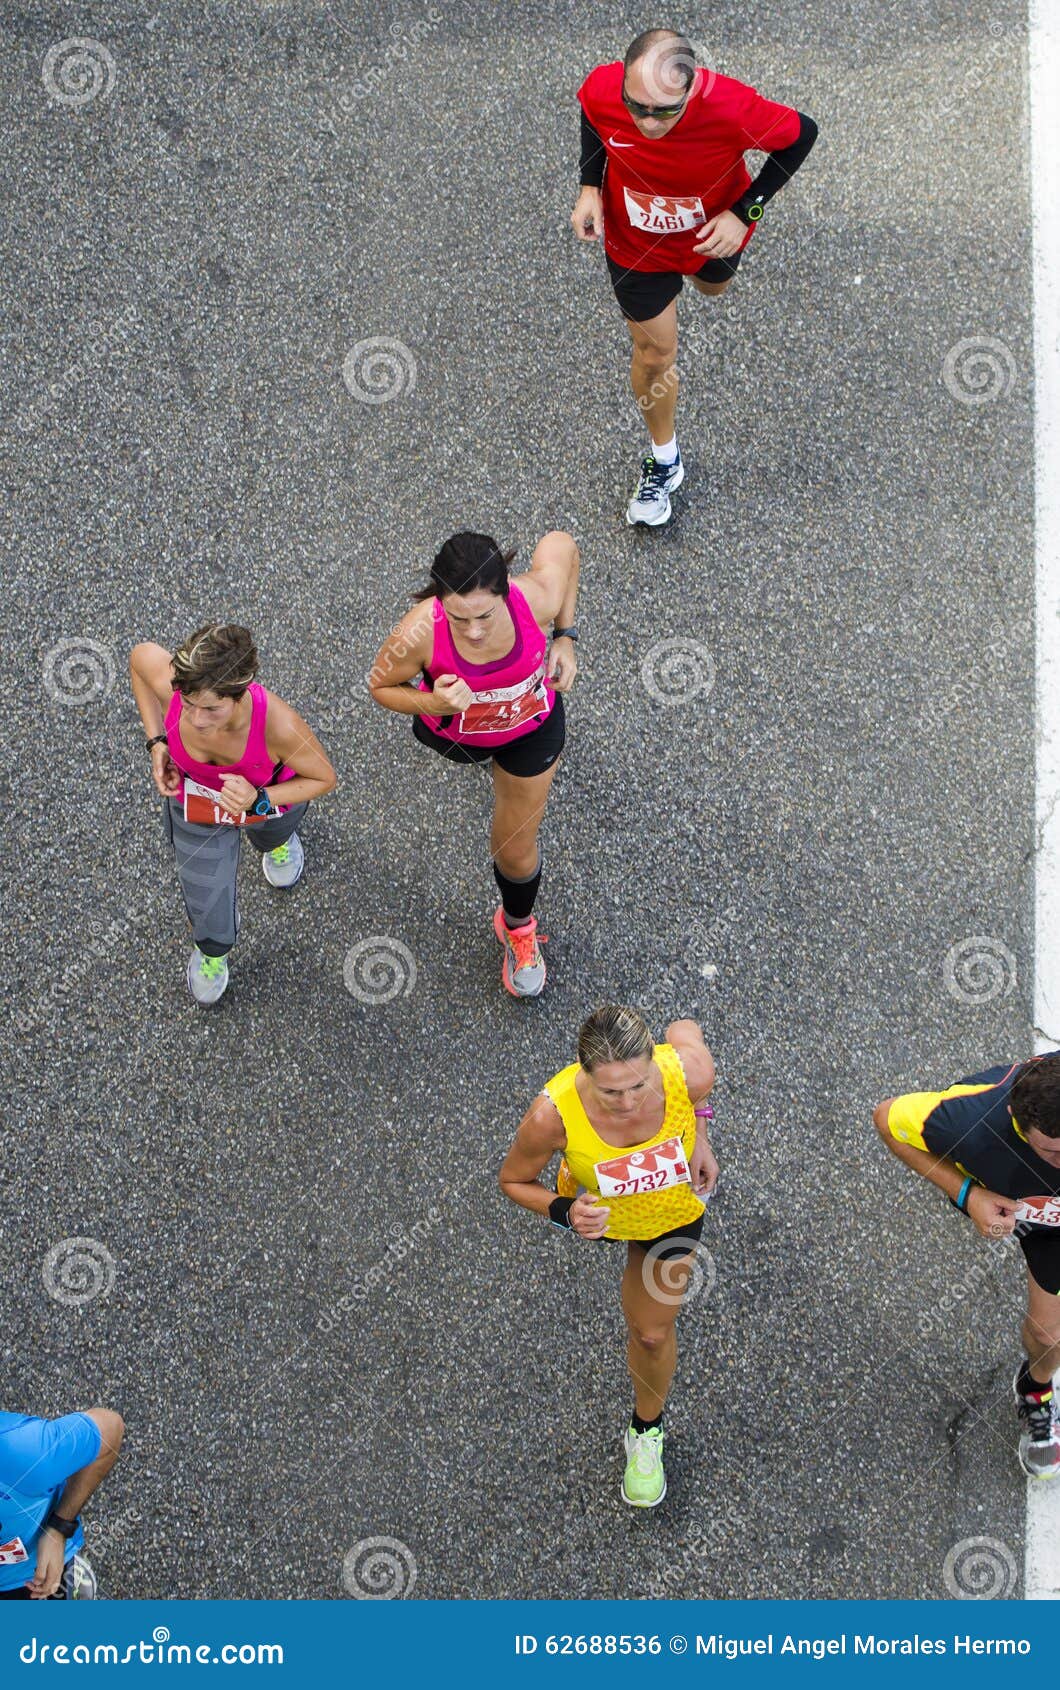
283, 867
207, 977
651, 502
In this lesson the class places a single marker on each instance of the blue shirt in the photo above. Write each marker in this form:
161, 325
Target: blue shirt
36, 1459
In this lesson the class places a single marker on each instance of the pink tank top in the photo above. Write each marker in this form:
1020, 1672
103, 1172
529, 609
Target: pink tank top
255, 764
513, 695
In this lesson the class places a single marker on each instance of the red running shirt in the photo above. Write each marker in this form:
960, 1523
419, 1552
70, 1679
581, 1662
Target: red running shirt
658, 193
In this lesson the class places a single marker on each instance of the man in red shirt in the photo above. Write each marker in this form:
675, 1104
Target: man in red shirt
664, 180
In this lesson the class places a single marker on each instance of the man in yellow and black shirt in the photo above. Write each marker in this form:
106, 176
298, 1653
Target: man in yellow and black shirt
992, 1144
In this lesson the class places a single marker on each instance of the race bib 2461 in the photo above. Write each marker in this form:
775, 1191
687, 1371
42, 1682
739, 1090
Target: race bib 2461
659, 214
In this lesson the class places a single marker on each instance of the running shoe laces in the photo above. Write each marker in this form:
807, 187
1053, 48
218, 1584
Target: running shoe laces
653, 478
212, 967
281, 855
647, 1451
523, 941
1038, 1413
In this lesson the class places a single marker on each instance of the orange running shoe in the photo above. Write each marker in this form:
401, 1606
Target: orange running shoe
523, 970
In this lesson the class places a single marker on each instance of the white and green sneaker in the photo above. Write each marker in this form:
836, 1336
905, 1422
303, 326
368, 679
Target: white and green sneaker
644, 1483
207, 977
283, 867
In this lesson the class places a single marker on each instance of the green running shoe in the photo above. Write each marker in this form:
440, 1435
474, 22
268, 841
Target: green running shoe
207, 977
644, 1484
283, 867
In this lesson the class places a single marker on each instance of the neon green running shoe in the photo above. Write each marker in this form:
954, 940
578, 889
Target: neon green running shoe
644, 1483
283, 866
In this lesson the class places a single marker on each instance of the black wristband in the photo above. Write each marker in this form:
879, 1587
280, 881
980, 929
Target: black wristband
749, 208
559, 1212
159, 739
56, 1523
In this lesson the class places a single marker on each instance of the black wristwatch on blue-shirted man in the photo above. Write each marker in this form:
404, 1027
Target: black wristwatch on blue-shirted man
56, 1523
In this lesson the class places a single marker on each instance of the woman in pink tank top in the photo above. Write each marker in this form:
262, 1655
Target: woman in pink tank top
471, 664
227, 757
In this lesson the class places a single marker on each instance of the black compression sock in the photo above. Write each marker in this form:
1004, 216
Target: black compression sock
518, 895
640, 1425
1027, 1385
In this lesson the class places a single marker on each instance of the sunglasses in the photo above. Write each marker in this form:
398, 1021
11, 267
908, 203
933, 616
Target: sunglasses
653, 111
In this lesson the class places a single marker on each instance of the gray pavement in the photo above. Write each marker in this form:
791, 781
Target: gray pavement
318, 1316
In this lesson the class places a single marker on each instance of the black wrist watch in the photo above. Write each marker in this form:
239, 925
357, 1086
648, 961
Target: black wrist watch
749, 209
159, 739
56, 1523
570, 633
262, 804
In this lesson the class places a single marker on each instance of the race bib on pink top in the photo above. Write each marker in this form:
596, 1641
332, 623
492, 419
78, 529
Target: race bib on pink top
504, 708
638, 1171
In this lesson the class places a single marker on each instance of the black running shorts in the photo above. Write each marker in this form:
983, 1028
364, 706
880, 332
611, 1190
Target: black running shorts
644, 294
1041, 1247
531, 755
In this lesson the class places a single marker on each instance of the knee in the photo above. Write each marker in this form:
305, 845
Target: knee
657, 360
518, 864
650, 1338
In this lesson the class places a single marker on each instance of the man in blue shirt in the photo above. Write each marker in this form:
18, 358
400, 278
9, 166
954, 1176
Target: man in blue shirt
48, 1471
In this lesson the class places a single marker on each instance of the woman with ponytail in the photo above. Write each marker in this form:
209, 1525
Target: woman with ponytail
472, 665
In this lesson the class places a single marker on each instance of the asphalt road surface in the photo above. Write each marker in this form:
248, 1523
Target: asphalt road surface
302, 1288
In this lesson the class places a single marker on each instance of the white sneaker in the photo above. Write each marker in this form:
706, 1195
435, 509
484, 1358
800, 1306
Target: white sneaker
283, 867
207, 977
651, 502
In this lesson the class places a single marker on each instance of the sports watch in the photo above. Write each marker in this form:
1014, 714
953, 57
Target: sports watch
56, 1523
159, 739
749, 210
570, 633
262, 804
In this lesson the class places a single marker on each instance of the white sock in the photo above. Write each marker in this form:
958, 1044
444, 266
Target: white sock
666, 453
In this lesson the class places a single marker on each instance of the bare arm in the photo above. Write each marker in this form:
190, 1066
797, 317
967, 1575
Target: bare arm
539, 1136
51, 1548
994, 1215
698, 1064
151, 673
550, 587
401, 658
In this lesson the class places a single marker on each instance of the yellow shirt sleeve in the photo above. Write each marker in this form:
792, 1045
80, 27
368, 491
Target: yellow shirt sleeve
905, 1120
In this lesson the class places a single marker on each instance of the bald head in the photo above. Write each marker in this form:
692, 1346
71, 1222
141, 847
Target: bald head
664, 62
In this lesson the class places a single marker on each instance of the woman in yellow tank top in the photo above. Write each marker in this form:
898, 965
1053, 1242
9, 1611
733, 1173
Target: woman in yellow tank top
629, 1120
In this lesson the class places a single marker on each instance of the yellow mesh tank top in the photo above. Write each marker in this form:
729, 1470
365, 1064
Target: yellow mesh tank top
652, 1212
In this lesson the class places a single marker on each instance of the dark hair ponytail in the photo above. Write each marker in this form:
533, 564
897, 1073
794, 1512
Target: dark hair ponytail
468, 563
